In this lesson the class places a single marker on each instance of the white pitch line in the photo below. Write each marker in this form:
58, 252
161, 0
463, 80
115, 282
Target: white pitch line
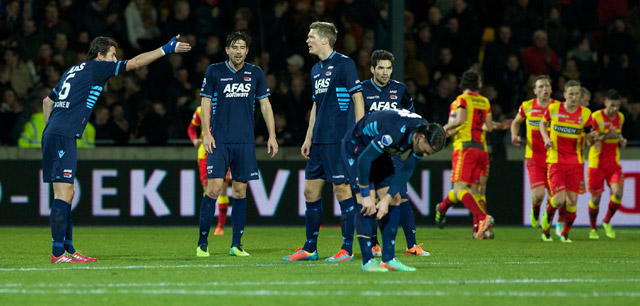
511, 293
317, 282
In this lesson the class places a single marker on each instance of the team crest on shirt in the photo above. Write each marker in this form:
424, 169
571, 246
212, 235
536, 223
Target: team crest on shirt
580, 121
328, 73
67, 173
393, 97
248, 79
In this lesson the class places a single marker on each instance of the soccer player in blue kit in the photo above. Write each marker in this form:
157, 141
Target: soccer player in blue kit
380, 93
67, 109
229, 91
366, 151
335, 85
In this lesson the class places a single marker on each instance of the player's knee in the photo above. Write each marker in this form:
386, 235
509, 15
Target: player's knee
239, 194
342, 191
310, 194
618, 195
212, 191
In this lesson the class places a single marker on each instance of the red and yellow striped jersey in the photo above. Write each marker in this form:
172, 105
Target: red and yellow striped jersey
609, 154
469, 133
565, 130
532, 112
196, 120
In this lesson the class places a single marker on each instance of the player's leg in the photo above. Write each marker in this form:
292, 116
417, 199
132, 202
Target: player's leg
223, 206
347, 221
616, 181
450, 199
364, 230
570, 214
537, 184
207, 211
537, 197
238, 217
408, 223
595, 180
58, 218
375, 244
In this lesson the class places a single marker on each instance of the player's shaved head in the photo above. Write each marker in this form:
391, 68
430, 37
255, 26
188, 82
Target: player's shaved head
326, 29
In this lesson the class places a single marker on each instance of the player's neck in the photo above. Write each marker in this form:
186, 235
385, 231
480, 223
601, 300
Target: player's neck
379, 83
324, 54
469, 91
234, 67
571, 107
543, 102
610, 116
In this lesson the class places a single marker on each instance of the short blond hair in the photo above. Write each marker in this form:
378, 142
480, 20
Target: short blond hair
326, 29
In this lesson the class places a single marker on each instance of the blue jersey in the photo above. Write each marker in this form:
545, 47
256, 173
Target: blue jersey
394, 95
334, 81
387, 130
76, 93
233, 95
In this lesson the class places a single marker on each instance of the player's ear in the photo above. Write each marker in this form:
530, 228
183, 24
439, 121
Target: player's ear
372, 69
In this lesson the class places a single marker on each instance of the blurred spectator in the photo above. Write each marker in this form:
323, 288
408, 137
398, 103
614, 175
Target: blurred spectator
540, 58
5, 79
178, 97
102, 19
365, 16
81, 43
285, 135
612, 9
363, 65
21, 79
11, 18
295, 65
142, 24
585, 61
31, 136
11, 111
414, 68
101, 122
383, 38
570, 70
419, 100
469, 24
214, 51
152, 124
208, 19
444, 66
427, 50
118, 127
618, 40
29, 39
436, 24
523, 20
496, 53
617, 73
510, 85
275, 32
631, 127
558, 36
351, 32
88, 139
439, 101
52, 76
61, 46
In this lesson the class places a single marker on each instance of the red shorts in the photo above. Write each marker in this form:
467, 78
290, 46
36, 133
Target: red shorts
485, 172
468, 164
537, 173
202, 165
566, 176
596, 177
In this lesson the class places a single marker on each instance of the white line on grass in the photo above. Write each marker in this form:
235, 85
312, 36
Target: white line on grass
323, 293
318, 282
92, 267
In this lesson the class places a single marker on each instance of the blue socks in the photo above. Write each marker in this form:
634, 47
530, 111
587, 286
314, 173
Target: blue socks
68, 240
58, 221
374, 235
207, 210
408, 221
389, 229
364, 228
238, 219
347, 224
313, 219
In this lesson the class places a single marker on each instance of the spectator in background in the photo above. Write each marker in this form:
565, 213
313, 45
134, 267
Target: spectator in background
295, 65
427, 49
363, 65
436, 24
540, 59
414, 68
21, 79
523, 21
419, 100
383, 38
61, 46
469, 25
5, 79
52, 23
152, 124
101, 122
101, 18
618, 40
52, 75
11, 114
213, 50
444, 66
510, 85
179, 21
118, 127
142, 24
496, 54
570, 70
178, 97
631, 128
11, 17
31, 136
439, 101
558, 36
81, 43
28, 40
585, 61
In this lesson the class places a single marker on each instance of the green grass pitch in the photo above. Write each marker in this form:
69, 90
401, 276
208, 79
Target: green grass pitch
158, 266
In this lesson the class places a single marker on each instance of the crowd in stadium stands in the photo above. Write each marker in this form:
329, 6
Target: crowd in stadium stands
509, 41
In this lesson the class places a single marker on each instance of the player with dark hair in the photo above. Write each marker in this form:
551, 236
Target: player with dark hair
67, 109
223, 200
564, 156
604, 162
337, 105
380, 93
229, 91
469, 160
366, 150
531, 112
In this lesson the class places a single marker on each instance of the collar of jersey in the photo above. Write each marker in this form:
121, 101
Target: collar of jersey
376, 85
328, 58
231, 69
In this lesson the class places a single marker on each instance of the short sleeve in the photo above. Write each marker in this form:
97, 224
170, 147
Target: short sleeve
351, 80
262, 89
206, 90
104, 70
407, 102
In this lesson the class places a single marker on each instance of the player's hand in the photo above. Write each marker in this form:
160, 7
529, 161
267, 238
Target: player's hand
209, 143
305, 149
548, 144
516, 141
272, 146
197, 142
383, 206
174, 46
623, 142
368, 206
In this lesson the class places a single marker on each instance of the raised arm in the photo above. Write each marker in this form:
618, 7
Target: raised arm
173, 46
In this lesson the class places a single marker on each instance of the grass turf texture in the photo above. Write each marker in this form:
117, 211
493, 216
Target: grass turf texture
158, 266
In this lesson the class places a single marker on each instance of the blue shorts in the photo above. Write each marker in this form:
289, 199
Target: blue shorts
382, 169
240, 157
325, 163
59, 158
386, 182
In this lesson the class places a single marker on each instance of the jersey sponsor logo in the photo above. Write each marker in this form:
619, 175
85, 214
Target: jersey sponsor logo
386, 140
393, 97
328, 73
226, 79
67, 173
534, 123
248, 79
237, 90
383, 105
566, 129
61, 104
321, 85
393, 91
373, 97
330, 67
247, 72
76, 68
559, 115
253, 174
533, 111
338, 176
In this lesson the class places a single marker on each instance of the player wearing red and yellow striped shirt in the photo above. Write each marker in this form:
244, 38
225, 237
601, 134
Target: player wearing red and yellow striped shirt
531, 112
604, 161
470, 160
223, 200
564, 156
